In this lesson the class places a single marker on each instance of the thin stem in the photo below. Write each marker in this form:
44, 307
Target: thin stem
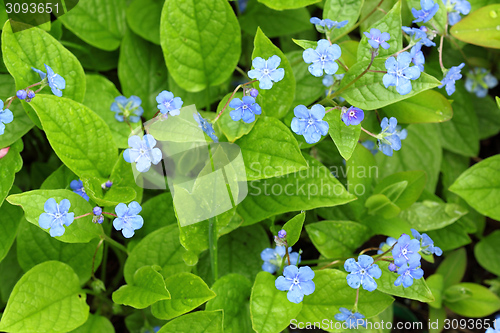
355, 309
79, 217
401, 51
93, 258
330, 264
9, 101
287, 254
33, 85
110, 214
382, 254
242, 72
334, 108
231, 97
342, 64
114, 243
369, 249
374, 71
440, 50
368, 132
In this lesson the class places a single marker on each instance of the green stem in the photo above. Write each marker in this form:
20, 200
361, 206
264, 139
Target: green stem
355, 309
114, 243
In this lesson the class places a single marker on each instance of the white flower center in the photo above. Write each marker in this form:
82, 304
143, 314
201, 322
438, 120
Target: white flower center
296, 281
362, 271
404, 252
245, 107
323, 58
310, 121
352, 114
167, 104
266, 71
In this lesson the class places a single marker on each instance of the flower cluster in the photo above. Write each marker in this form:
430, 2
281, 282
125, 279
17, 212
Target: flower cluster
326, 25
390, 137
455, 8
127, 108
429, 9
479, 80
419, 35
273, 258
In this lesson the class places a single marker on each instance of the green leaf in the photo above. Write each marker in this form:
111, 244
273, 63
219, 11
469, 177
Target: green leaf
70, 128
50, 287
479, 300
488, 115
487, 252
370, 15
233, 293
80, 231
450, 237
108, 22
305, 44
187, 292
480, 27
276, 101
308, 87
288, 4
11, 216
159, 212
293, 228
270, 310
337, 239
100, 94
379, 204
435, 283
340, 10
415, 183
453, 267
122, 176
148, 288
233, 130
361, 178
391, 23
167, 254
321, 304
10, 164
143, 17
437, 319
196, 322
393, 227
142, 71
11, 273
430, 215
426, 107
35, 247
418, 291
345, 137
270, 150
201, 42
480, 187
303, 190
110, 197
369, 93
96, 324
205, 97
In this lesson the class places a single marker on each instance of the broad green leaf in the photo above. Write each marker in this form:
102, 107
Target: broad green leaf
420, 151
388, 227
143, 17
201, 42
390, 23
337, 239
293, 228
480, 27
479, 300
321, 304
80, 231
139, 320
270, 310
380, 204
340, 10
360, 177
369, 93
233, 130
142, 71
435, 284
233, 293
276, 101
109, 197
426, 107
122, 176
70, 128
488, 115
158, 212
148, 288
349, 54
288, 4
308, 87
56, 304
452, 268
415, 183
196, 322
108, 22
202, 98
345, 137
370, 14
10, 164
487, 252
270, 150
96, 324
437, 318
11, 273
307, 189
418, 291
305, 44
11, 217
430, 215
35, 247
187, 292
167, 253
480, 187
100, 94
451, 237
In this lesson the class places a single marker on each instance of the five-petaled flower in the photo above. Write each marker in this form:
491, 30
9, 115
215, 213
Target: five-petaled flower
351, 318
297, 281
479, 80
205, 126
406, 251
274, 257
127, 108
399, 73
142, 152
364, 272
244, 109
309, 123
128, 220
429, 9
352, 116
419, 35
455, 8
322, 58
426, 244
452, 75
55, 81
408, 272
267, 71
377, 38
6, 117
55, 216
390, 137
168, 104
77, 187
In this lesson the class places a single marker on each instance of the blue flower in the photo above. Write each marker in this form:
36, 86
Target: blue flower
377, 38
97, 210
364, 272
370, 145
142, 152
282, 233
417, 57
455, 8
327, 23
407, 273
128, 220
242, 4
322, 58
309, 123
22, 94
384, 246
55, 216
77, 187
56, 82
429, 9
31, 95
399, 73
406, 251
205, 126
452, 75
328, 80
419, 35
391, 136
245, 109
6, 117
254, 92
495, 328
352, 319
479, 80
352, 116
267, 71
129, 108
168, 104
297, 281
274, 257
426, 244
